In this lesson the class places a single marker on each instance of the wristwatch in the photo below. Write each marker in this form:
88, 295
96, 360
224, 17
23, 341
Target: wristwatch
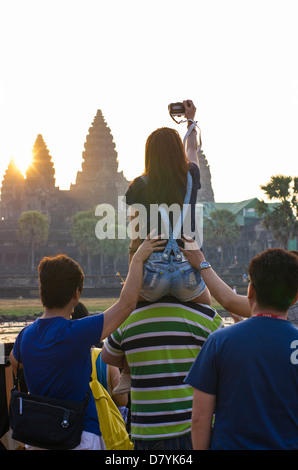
204, 265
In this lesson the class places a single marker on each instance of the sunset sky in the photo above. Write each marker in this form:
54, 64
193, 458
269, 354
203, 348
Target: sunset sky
236, 59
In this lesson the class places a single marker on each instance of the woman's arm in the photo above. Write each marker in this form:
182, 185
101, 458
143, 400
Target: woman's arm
224, 295
191, 143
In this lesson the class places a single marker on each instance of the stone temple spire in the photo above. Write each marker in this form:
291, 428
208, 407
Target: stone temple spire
100, 155
205, 194
40, 186
11, 191
41, 171
99, 181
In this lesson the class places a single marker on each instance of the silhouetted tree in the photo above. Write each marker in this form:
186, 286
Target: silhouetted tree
83, 235
116, 247
282, 220
33, 231
221, 230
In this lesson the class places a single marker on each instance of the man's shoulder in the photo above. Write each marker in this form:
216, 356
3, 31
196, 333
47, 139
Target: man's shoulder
171, 301
172, 304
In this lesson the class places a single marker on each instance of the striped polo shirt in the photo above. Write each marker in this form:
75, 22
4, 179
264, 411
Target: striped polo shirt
160, 341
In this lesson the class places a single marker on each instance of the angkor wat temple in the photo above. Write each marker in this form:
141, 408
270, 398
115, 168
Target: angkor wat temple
99, 181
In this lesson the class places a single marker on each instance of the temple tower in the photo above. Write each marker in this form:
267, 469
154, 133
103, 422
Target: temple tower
40, 179
205, 194
41, 170
11, 192
99, 181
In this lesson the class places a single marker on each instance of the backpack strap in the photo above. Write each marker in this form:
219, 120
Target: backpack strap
145, 178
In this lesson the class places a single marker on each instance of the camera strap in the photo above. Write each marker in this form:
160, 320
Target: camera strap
177, 122
189, 131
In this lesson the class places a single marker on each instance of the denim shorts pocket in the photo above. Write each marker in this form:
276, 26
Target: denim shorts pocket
191, 278
151, 276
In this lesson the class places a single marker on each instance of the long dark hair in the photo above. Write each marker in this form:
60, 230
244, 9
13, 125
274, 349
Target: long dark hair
166, 167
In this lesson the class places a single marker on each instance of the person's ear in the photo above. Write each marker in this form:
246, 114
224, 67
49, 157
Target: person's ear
251, 293
77, 295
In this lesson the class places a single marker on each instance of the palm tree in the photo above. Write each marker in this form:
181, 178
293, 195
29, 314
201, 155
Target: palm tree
282, 220
33, 231
83, 235
221, 230
117, 246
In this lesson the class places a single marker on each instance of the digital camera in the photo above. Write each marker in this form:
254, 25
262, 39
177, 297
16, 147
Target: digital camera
176, 109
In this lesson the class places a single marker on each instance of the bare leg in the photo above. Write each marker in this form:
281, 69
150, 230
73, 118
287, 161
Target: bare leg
204, 298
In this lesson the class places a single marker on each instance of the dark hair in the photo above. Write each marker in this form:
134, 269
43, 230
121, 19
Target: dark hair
59, 278
274, 275
80, 311
166, 167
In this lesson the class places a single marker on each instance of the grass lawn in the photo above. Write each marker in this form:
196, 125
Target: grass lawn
32, 306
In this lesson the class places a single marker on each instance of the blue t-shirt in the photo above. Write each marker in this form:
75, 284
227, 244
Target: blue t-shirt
248, 367
102, 371
56, 357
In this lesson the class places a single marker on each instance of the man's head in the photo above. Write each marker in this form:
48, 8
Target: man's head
274, 277
60, 278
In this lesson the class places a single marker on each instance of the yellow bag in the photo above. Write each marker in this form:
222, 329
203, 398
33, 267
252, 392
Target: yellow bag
112, 425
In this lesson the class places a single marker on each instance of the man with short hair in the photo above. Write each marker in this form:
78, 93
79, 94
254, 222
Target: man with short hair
160, 341
55, 350
247, 374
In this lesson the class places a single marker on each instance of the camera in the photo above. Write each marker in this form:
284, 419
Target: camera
176, 109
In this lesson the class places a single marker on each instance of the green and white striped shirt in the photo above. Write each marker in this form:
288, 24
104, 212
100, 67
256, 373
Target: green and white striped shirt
160, 341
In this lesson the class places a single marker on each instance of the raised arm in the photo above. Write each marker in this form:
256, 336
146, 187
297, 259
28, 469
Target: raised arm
191, 142
224, 295
117, 313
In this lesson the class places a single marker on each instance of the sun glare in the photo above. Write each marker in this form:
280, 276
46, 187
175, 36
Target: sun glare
22, 162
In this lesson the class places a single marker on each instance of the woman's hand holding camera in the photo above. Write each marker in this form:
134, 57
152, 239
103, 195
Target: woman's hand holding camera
190, 110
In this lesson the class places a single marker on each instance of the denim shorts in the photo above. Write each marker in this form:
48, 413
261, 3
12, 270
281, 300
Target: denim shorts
170, 277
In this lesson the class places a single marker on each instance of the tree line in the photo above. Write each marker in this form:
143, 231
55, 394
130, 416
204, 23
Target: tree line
220, 228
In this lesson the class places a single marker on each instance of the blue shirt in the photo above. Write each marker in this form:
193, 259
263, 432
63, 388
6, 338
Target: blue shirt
102, 372
56, 358
248, 367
